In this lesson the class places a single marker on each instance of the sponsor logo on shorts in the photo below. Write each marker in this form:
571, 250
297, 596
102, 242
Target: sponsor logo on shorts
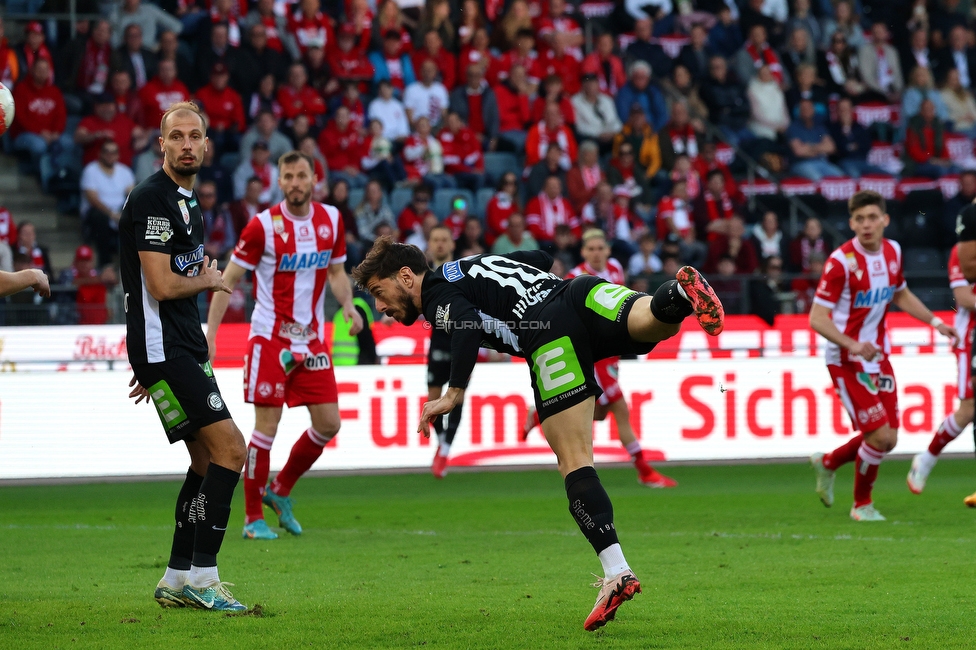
886, 383
318, 361
452, 271
265, 389
214, 401
186, 260
297, 332
866, 380
862, 416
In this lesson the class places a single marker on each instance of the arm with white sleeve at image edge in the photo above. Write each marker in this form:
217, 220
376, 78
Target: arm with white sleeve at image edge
966, 232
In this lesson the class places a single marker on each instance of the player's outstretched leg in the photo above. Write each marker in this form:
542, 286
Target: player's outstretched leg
256, 472
948, 431
674, 301
824, 466
445, 438
706, 305
569, 433
169, 591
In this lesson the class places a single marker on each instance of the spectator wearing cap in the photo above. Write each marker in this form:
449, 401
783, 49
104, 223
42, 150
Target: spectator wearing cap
583, 179
32, 48
258, 164
224, 109
218, 49
607, 66
105, 123
392, 64
640, 91
462, 153
161, 92
390, 111
512, 96
348, 61
650, 53
134, 58
298, 97
550, 129
275, 36
258, 59
40, 118
596, 115
411, 219
148, 16
105, 184
426, 97
475, 103
91, 287
433, 50
342, 145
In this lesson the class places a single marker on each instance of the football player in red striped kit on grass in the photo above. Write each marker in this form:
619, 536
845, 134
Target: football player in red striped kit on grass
860, 279
293, 248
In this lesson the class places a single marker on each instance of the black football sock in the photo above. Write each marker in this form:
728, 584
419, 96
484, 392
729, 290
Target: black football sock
669, 305
439, 425
591, 508
182, 551
453, 422
211, 510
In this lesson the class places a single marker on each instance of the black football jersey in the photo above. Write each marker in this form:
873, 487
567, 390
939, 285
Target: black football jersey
162, 217
481, 301
966, 223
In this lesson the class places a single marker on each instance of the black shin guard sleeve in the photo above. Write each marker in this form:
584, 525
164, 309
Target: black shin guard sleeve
453, 422
211, 512
669, 306
591, 508
182, 551
439, 424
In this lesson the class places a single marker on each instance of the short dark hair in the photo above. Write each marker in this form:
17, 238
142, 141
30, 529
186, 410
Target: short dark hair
713, 173
180, 107
386, 258
293, 157
865, 198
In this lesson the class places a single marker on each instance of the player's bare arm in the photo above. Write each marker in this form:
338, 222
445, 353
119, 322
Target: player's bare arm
823, 324
967, 259
342, 290
440, 406
218, 305
965, 298
35, 279
163, 284
909, 303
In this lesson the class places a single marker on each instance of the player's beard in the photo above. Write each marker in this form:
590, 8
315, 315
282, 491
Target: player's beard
410, 311
296, 203
186, 169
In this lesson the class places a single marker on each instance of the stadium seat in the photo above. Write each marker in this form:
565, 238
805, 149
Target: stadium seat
499, 162
481, 201
443, 198
400, 198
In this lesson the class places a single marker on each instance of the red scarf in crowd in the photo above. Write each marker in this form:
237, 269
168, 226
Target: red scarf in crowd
94, 68
683, 140
768, 58
591, 176
264, 173
721, 209
553, 213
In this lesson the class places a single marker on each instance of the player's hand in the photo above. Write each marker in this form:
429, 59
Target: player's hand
349, 313
138, 392
864, 349
431, 410
41, 284
211, 350
946, 330
214, 277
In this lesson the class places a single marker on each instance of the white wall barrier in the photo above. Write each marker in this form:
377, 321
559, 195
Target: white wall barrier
61, 424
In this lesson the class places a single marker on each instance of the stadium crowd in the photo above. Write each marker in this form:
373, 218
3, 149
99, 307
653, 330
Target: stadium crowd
517, 123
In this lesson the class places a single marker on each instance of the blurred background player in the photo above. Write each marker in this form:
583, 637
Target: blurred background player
440, 250
292, 249
954, 423
597, 261
859, 281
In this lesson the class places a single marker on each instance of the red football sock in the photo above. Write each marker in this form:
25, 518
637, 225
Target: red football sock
948, 431
303, 455
844, 454
256, 475
868, 460
637, 457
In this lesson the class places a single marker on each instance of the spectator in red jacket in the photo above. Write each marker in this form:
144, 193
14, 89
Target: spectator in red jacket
549, 209
606, 65
550, 129
310, 26
556, 25
582, 179
462, 153
501, 206
40, 118
433, 50
512, 96
106, 124
551, 90
925, 147
735, 245
298, 97
348, 61
560, 62
91, 287
224, 109
477, 52
127, 100
342, 145
523, 54
411, 219
160, 93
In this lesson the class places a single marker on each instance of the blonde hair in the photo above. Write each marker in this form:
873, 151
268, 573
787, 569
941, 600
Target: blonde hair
594, 233
183, 106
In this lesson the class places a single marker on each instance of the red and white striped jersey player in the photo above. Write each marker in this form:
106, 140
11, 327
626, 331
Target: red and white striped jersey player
597, 261
292, 248
954, 423
859, 281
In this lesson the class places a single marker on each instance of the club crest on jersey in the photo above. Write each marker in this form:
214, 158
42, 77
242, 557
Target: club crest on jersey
303, 261
852, 265
186, 260
185, 211
279, 227
893, 267
872, 297
452, 271
324, 231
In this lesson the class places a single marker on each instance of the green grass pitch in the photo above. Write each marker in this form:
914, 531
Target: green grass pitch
736, 557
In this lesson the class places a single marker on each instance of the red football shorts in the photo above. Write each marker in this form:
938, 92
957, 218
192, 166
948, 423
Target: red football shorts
275, 376
607, 371
964, 372
870, 399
